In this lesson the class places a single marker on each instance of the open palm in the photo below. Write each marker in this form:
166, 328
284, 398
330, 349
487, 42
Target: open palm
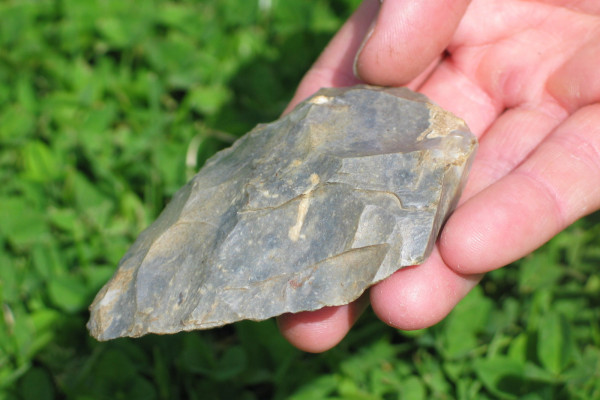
525, 76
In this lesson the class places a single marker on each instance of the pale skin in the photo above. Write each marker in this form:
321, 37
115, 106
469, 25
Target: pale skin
525, 76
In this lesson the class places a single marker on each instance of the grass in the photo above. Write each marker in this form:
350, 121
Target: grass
107, 107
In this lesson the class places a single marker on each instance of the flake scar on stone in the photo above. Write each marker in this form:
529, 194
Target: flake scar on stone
294, 232
302, 213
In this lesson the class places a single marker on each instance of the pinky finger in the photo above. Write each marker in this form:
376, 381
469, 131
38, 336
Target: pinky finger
320, 330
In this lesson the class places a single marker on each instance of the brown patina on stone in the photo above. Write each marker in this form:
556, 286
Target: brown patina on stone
299, 214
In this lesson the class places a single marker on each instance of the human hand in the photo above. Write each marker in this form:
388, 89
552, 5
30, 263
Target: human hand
525, 75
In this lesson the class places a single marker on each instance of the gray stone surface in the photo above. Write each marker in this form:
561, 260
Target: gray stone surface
301, 213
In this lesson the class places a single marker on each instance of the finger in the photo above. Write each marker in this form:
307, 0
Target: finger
318, 331
408, 36
557, 184
586, 6
509, 141
333, 68
577, 82
420, 296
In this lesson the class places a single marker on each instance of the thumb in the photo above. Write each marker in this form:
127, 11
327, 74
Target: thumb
407, 37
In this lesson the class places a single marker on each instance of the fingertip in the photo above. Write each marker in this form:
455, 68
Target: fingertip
320, 330
463, 241
407, 38
501, 224
420, 296
394, 302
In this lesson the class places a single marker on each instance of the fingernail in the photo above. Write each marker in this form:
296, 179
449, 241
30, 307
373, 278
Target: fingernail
362, 45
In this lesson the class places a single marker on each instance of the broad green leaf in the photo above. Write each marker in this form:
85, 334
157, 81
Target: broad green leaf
62, 108
264, 343
294, 16
250, 43
539, 272
115, 30
431, 373
535, 373
592, 286
69, 293
384, 380
47, 259
97, 121
87, 195
208, 99
320, 388
508, 379
43, 322
9, 281
17, 123
583, 379
502, 376
141, 389
225, 367
413, 388
21, 335
22, 224
40, 163
555, 344
323, 18
541, 304
467, 389
246, 12
518, 348
115, 368
175, 57
230, 364
466, 321
26, 96
506, 317
9, 375
115, 375
91, 203
36, 385
196, 355
349, 389
378, 355
68, 220
175, 14
161, 374
97, 275
454, 369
